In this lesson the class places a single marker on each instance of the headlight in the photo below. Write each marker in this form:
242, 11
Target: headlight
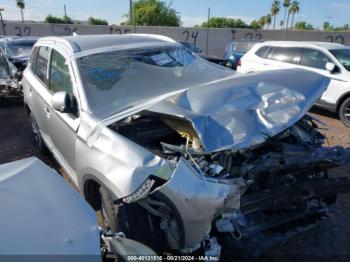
140, 193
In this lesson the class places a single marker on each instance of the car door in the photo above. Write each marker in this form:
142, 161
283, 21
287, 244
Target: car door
63, 127
316, 60
35, 88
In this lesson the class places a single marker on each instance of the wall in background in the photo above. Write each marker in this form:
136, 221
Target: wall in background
217, 38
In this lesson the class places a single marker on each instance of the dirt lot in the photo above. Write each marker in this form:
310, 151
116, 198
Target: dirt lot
329, 241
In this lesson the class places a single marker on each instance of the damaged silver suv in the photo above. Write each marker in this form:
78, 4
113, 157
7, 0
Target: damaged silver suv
177, 152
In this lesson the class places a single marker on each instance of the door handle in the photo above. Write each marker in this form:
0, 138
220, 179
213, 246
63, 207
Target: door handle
30, 91
47, 111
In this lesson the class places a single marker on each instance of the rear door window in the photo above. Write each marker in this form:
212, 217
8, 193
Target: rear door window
314, 58
41, 63
285, 54
269, 52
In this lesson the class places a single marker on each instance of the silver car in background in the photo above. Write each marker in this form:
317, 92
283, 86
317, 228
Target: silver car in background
176, 152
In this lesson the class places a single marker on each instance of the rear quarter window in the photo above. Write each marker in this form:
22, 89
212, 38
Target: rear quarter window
33, 58
242, 47
261, 52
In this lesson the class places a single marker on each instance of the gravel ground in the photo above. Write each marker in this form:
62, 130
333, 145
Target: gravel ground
329, 241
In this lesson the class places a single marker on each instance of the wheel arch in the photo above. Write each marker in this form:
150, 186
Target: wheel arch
90, 189
90, 177
341, 100
91, 193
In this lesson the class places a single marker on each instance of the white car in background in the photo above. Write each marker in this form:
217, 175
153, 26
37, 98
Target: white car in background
329, 59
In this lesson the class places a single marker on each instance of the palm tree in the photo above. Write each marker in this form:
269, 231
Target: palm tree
286, 4
289, 12
275, 8
21, 5
268, 21
293, 9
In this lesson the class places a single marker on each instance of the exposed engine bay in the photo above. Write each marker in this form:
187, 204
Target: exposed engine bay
10, 88
285, 187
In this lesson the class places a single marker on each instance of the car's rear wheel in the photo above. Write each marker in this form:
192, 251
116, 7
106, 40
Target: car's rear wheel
38, 141
344, 112
133, 220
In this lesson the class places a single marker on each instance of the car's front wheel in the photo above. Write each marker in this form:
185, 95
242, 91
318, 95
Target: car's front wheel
133, 220
344, 112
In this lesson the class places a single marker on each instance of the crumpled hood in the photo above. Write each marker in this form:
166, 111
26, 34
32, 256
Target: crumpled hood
245, 110
236, 112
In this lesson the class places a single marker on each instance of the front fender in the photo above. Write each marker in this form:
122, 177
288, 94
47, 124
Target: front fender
120, 164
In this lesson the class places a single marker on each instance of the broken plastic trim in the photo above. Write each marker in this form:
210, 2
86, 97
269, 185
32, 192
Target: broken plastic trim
140, 193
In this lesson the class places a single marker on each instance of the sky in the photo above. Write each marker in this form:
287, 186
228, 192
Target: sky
192, 12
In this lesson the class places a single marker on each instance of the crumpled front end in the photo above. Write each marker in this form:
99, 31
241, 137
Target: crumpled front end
267, 193
9, 85
248, 163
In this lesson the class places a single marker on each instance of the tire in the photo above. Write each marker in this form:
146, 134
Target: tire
133, 220
344, 112
38, 141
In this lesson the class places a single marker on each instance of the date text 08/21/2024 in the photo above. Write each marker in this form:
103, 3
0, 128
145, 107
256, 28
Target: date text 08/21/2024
172, 258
